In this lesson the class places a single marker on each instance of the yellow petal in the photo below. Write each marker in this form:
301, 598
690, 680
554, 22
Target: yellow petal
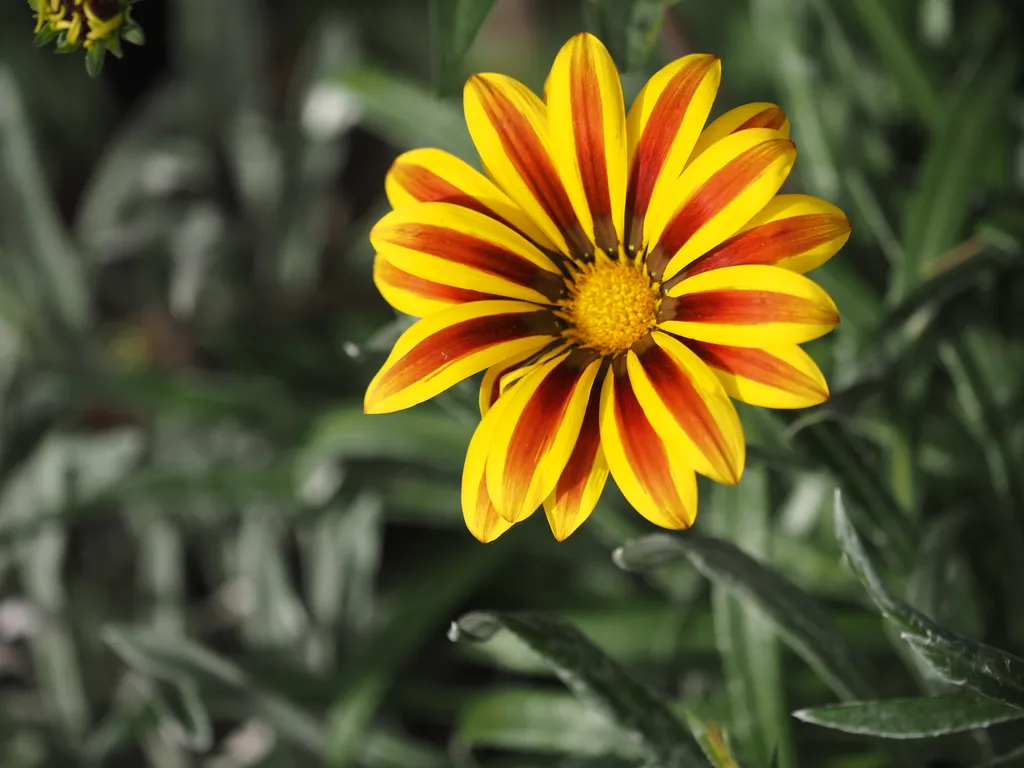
749, 306
782, 376
535, 437
587, 119
658, 483
498, 378
688, 408
482, 519
757, 115
581, 482
448, 346
662, 127
465, 250
720, 192
796, 232
435, 176
508, 124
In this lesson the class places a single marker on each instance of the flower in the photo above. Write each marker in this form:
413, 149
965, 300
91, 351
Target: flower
98, 19
619, 278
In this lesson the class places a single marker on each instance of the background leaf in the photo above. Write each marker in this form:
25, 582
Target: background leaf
912, 718
594, 678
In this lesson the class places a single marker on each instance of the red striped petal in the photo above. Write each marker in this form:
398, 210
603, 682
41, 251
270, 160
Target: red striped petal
588, 131
689, 408
775, 377
664, 124
509, 127
756, 115
748, 306
418, 296
658, 485
453, 344
536, 435
797, 232
447, 244
581, 482
435, 176
760, 168
751, 307
481, 516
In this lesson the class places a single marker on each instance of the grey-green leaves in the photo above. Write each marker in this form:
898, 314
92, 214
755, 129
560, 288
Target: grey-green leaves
456, 23
913, 718
993, 680
799, 620
595, 678
989, 671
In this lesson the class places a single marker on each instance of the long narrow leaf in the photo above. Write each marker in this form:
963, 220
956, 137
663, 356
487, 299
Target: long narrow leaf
912, 718
594, 678
982, 668
801, 622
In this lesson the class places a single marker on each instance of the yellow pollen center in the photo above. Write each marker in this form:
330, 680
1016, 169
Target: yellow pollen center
611, 306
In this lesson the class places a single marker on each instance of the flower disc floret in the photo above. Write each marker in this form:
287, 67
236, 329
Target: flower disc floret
611, 306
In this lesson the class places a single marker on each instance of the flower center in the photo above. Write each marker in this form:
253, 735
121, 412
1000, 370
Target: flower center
611, 306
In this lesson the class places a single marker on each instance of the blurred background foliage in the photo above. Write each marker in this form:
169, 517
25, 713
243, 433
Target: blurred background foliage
209, 556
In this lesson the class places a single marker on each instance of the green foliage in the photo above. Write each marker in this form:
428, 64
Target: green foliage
210, 556
923, 718
595, 679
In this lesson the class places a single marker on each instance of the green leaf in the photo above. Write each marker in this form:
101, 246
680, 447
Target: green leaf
987, 670
985, 419
179, 708
30, 225
594, 678
1010, 759
46, 35
912, 718
982, 668
132, 33
954, 167
901, 614
456, 25
94, 60
632, 633
903, 62
407, 115
747, 641
422, 607
800, 621
528, 719
172, 659
629, 28
712, 742
423, 436
833, 447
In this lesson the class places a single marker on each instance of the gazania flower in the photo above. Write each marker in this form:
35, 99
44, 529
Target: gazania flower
97, 19
619, 278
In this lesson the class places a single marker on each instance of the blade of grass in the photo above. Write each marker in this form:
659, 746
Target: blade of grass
29, 223
759, 722
455, 26
903, 62
422, 606
712, 742
170, 659
953, 168
408, 116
